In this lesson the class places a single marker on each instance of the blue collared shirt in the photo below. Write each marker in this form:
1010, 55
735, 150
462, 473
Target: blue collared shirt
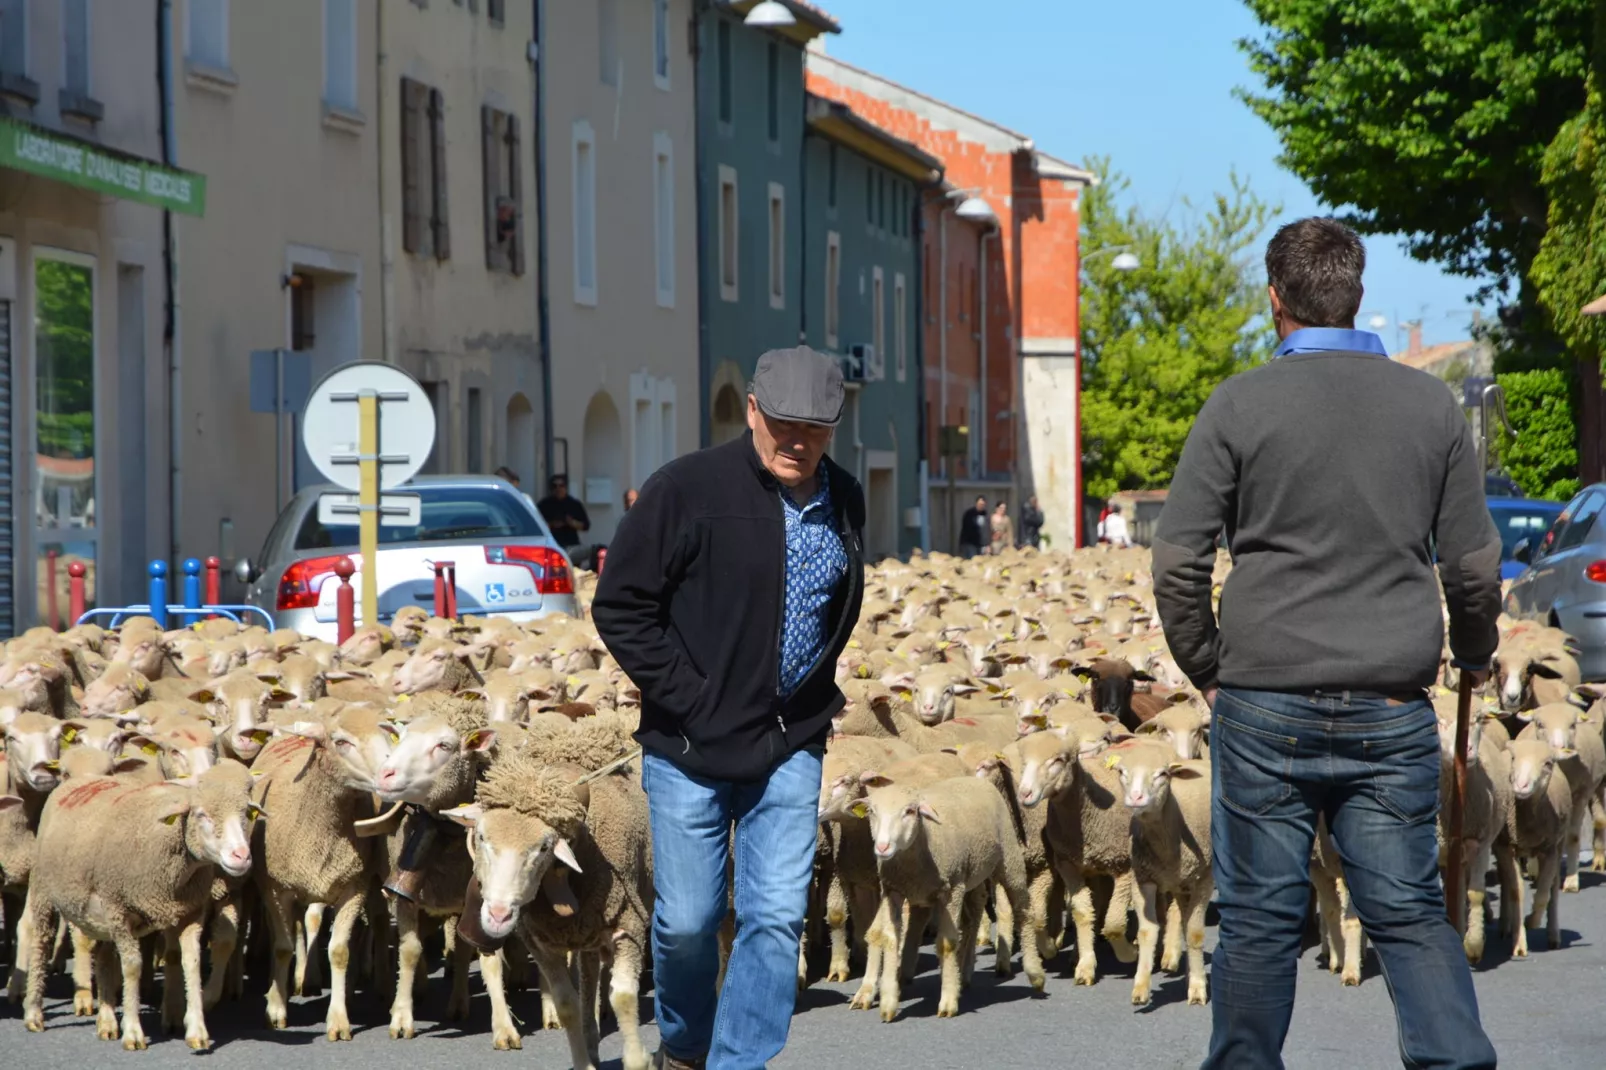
815, 563
1329, 340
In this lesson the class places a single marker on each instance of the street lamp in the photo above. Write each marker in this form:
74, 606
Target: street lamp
975, 210
1378, 322
1125, 260
769, 14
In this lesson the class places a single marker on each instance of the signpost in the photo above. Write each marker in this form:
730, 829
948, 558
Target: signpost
281, 380
369, 427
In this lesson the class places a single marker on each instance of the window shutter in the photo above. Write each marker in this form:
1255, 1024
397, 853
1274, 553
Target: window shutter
412, 167
490, 151
515, 178
440, 215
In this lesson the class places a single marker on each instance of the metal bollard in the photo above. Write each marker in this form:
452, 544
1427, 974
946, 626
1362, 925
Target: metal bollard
75, 588
345, 601
214, 583
602, 558
158, 587
54, 612
192, 586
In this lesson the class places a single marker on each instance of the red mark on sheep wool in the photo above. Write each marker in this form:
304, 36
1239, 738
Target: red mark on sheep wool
84, 794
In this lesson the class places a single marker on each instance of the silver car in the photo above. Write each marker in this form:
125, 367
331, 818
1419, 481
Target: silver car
1564, 584
506, 560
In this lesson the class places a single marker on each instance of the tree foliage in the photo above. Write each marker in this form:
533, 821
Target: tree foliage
1543, 456
1156, 341
65, 354
1426, 118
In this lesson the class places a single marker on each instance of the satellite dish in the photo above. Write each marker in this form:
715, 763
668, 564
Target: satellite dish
406, 424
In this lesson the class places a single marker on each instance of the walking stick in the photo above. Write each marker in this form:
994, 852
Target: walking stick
1455, 896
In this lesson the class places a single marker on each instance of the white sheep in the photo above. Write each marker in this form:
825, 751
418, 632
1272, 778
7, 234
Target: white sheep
1542, 815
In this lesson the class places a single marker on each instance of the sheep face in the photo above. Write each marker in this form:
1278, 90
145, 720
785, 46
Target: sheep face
143, 652
188, 746
1184, 728
241, 701
436, 667
1533, 762
1145, 779
895, 815
431, 757
224, 657
33, 751
220, 812
32, 676
1447, 738
367, 644
115, 692
94, 733
514, 854
933, 697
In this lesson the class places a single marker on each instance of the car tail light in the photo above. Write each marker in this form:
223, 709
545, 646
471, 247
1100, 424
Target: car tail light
547, 566
301, 582
1596, 572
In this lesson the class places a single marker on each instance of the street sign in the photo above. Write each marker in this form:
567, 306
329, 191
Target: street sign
331, 435
395, 510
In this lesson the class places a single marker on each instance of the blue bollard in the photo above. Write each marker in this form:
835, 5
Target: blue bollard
192, 585
158, 574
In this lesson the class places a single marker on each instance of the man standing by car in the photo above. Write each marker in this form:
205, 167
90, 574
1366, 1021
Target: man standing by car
731, 588
1331, 469
564, 515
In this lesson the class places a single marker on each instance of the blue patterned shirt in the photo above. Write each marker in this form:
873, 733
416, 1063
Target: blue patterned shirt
815, 564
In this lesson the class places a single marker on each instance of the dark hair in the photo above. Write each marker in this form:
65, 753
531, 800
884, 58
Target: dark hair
1315, 265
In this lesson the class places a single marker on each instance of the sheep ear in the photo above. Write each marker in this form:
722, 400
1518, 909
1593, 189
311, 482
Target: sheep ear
70, 730
481, 739
203, 695
472, 692
143, 743
1148, 728
858, 809
871, 780
314, 730
1090, 748
128, 765
175, 810
279, 694
929, 814
1526, 716
390, 729
565, 854
259, 736
1182, 771
268, 677
9, 802
256, 812
1566, 752
468, 815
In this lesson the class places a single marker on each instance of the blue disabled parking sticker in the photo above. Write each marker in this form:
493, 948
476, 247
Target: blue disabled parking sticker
495, 594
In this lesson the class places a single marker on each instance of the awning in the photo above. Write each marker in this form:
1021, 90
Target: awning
25, 147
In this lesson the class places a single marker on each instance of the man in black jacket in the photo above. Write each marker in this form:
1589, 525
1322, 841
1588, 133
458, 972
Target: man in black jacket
975, 531
731, 588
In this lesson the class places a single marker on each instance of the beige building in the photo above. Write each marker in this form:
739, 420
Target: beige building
83, 369
619, 116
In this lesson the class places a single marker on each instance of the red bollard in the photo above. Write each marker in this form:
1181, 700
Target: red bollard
451, 589
214, 584
75, 588
602, 558
50, 588
440, 588
345, 600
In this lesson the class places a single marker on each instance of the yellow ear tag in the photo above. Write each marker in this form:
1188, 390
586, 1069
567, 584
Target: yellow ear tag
1112, 761
69, 734
573, 680
404, 697
859, 809
196, 626
151, 748
864, 672
853, 644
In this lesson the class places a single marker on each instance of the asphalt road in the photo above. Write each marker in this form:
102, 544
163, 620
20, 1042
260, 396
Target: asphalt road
1546, 1012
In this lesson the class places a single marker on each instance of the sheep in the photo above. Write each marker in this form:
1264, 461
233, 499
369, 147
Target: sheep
93, 733
1340, 925
1483, 823
1569, 728
1113, 683
366, 644
1182, 724
319, 780
942, 847
1528, 654
32, 767
1542, 814
437, 665
115, 693
528, 820
879, 716
1170, 804
138, 859
240, 701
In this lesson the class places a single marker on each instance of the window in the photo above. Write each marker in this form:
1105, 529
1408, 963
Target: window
303, 302
14, 39
775, 91
660, 43
608, 41
833, 288
504, 190
444, 513
881, 199
663, 196
1518, 524
777, 220
340, 54
724, 71
425, 227
878, 323
1582, 523
830, 185
74, 49
729, 222
869, 196
496, 11
473, 418
900, 310
207, 33
585, 214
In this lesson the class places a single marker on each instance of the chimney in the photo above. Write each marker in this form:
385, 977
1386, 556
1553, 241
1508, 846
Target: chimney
1416, 338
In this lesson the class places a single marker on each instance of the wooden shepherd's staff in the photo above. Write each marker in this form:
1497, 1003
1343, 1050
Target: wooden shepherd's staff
1455, 896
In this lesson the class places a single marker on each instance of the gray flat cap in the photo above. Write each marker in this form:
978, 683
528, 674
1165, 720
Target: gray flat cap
802, 385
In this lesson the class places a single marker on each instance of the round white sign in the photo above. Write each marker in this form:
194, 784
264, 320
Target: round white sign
329, 424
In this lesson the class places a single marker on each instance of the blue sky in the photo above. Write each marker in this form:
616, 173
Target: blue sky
1148, 83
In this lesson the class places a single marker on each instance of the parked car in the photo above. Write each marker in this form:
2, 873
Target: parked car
1496, 485
1518, 519
1565, 582
507, 562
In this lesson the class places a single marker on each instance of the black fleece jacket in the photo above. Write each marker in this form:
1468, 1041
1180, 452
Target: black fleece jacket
691, 605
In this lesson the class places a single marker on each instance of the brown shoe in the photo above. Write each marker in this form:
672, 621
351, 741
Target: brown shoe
665, 1061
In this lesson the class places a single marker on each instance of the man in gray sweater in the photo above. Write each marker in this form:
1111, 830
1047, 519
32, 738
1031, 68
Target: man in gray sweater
1337, 475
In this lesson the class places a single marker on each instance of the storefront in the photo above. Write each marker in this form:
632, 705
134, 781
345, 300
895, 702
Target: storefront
83, 411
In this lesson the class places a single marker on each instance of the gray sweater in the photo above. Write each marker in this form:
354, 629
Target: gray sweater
1330, 473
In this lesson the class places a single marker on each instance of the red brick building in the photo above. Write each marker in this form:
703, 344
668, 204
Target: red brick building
1001, 304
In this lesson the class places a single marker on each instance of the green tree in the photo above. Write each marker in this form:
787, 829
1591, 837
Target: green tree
1543, 456
1426, 118
1156, 341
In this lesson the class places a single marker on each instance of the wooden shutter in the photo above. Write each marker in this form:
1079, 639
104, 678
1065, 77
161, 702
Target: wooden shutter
413, 97
490, 151
515, 178
440, 214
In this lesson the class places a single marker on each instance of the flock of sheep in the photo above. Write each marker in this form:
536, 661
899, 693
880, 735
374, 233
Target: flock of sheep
1019, 759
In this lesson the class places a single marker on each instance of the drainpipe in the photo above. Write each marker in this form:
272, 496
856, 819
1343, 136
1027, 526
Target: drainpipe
387, 262
171, 332
543, 299
922, 433
986, 416
705, 366
803, 209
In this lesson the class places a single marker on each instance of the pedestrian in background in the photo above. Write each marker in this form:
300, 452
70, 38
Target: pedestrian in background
1112, 529
1031, 524
975, 531
732, 587
630, 498
564, 514
1002, 530
1329, 637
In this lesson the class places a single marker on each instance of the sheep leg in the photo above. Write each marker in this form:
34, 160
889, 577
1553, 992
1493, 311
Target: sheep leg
1352, 935
1082, 916
410, 950
1121, 903
108, 978
555, 977
877, 937
1171, 943
37, 924
1148, 937
624, 987
1544, 887
225, 935
1198, 903
590, 977
1477, 892
505, 1035
172, 983
1505, 860
1039, 895
457, 1006
1328, 910
836, 917
189, 943
891, 928
1031, 942
1575, 839
278, 903
914, 931
308, 983
968, 908
1054, 912
1004, 943
338, 1024
1553, 913
83, 973
1597, 816
549, 1009
25, 942
133, 964
950, 951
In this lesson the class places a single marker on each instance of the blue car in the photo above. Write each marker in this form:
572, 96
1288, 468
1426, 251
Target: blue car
1518, 519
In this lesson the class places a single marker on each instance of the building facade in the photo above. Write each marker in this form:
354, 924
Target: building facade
619, 118
83, 300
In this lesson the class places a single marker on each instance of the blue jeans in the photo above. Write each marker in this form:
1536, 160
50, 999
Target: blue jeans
776, 825
1372, 768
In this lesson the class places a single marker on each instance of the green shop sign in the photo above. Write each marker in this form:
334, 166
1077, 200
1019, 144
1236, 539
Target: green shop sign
78, 163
